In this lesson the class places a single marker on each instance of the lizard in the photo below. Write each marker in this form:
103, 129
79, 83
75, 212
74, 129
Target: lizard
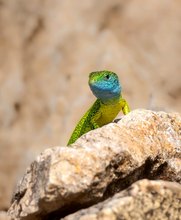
107, 89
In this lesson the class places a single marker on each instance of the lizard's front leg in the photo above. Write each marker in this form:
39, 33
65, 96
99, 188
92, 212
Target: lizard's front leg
125, 107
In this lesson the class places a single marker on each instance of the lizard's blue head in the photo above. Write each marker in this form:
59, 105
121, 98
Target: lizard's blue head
105, 85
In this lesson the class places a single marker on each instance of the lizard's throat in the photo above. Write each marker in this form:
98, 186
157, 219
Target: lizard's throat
106, 95
108, 98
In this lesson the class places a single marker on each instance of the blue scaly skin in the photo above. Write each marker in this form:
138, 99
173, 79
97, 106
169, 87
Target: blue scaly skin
106, 87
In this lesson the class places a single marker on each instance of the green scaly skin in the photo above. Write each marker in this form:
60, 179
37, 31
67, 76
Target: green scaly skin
104, 110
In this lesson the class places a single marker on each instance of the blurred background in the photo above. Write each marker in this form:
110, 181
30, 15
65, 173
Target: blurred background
47, 50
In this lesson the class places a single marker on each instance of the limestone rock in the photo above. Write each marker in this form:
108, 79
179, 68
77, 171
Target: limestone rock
143, 144
144, 200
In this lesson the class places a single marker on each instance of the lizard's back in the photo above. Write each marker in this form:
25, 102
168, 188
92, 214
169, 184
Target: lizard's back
85, 124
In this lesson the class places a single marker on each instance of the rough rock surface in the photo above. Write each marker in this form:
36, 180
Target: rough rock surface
144, 200
47, 49
143, 144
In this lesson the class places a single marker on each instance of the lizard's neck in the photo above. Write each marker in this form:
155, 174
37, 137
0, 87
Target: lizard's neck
111, 101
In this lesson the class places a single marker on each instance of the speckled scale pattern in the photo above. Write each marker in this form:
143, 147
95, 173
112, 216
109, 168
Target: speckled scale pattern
85, 125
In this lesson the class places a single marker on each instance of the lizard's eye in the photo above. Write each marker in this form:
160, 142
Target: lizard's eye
107, 76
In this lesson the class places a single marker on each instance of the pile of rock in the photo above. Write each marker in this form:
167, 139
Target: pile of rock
125, 170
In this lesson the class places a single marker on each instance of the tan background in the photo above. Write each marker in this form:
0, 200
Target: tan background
48, 48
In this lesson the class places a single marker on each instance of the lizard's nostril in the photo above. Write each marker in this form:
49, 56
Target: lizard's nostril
91, 81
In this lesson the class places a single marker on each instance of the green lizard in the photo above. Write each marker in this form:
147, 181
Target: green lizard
106, 87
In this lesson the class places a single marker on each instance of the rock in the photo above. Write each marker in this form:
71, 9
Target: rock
172, 170
143, 144
144, 200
